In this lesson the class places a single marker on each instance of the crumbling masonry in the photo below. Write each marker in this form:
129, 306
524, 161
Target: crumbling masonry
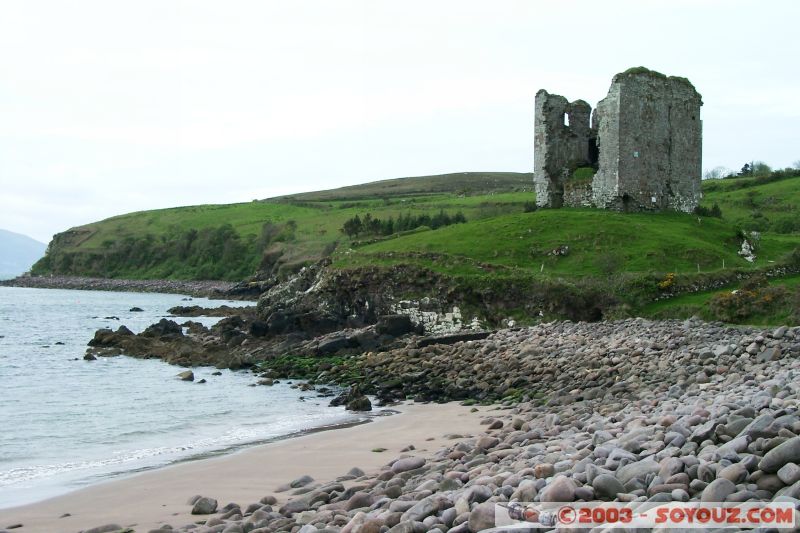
640, 150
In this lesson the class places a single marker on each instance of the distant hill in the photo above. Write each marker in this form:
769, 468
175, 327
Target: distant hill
18, 253
464, 183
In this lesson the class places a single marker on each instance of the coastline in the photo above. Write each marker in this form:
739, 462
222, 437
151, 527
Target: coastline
147, 500
207, 288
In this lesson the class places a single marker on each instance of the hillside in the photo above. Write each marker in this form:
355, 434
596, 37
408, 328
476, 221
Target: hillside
467, 226
759, 204
276, 235
18, 253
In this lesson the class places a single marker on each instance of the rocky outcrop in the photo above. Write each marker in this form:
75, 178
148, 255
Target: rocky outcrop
322, 299
196, 310
237, 341
353, 399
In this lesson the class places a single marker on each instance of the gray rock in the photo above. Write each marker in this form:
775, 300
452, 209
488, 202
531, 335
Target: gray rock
759, 427
358, 500
487, 442
407, 527
204, 505
779, 332
408, 463
294, 506
421, 510
302, 481
789, 473
735, 473
718, 490
769, 354
104, 529
356, 472
481, 517
638, 469
186, 375
788, 452
561, 489
607, 486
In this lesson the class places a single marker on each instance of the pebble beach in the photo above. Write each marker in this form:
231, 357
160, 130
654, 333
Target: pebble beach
630, 411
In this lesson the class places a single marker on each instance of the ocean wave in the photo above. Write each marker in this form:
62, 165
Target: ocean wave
236, 436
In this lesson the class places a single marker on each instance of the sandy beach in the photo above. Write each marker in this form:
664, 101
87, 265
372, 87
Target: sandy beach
151, 499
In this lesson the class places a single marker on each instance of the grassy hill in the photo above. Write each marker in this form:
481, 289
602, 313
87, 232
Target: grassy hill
281, 234
502, 236
757, 203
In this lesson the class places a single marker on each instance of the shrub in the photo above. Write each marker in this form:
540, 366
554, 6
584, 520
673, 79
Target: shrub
368, 225
713, 211
755, 297
667, 282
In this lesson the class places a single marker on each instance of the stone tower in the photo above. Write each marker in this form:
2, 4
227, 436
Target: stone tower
644, 144
564, 141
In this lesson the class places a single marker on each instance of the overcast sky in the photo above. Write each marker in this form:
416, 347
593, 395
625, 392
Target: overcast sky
108, 107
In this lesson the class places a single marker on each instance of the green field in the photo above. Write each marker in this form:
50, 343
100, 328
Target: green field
754, 205
579, 243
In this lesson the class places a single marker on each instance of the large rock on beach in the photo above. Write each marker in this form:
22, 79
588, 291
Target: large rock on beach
204, 505
186, 375
787, 452
407, 463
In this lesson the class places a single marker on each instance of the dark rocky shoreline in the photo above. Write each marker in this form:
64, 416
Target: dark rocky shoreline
209, 289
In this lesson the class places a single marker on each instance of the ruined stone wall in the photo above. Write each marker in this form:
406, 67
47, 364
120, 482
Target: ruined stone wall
686, 154
648, 137
658, 156
558, 147
578, 195
605, 189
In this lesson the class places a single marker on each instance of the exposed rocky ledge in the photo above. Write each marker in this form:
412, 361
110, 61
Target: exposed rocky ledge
210, 288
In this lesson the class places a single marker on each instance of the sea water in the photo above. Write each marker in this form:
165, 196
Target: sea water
66, 423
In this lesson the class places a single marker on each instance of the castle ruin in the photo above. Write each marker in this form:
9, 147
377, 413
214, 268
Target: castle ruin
640, 150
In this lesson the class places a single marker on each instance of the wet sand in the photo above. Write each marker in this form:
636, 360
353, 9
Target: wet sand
151, 499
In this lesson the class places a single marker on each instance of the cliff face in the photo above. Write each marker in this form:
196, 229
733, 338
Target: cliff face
321, 299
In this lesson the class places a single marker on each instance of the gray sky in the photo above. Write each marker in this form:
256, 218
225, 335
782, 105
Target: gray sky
108, 107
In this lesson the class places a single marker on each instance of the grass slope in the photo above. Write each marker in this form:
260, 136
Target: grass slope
499, 239
578, 243
753, 205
